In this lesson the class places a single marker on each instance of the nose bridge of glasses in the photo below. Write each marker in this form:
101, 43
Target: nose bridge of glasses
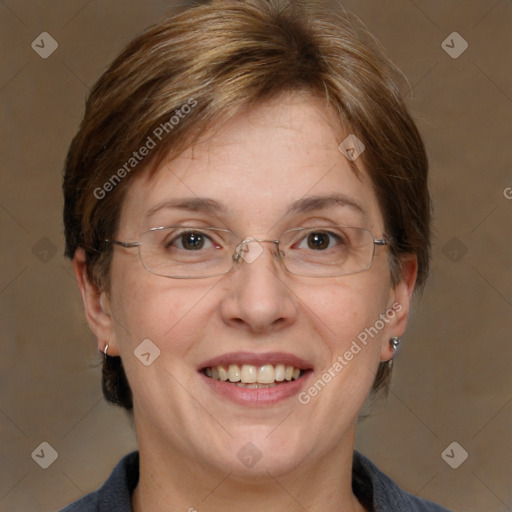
250, 249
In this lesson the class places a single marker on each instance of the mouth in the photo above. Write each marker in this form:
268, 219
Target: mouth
254, 377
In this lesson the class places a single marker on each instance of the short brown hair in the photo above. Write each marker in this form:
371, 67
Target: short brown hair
221, 57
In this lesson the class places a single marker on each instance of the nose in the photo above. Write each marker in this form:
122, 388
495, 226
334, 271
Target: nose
258, 298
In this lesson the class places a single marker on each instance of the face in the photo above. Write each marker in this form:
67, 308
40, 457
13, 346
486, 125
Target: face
255, 167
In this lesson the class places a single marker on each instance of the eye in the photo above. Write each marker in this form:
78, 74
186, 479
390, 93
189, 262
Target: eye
320, 241
190, 241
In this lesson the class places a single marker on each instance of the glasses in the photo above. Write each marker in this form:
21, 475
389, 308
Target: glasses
187, 252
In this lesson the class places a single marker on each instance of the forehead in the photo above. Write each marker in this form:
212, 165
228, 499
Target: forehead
265, 165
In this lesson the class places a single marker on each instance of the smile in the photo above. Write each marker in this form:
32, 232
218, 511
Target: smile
255, 380
252, 377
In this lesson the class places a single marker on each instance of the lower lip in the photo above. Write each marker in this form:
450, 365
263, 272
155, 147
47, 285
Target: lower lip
256, 396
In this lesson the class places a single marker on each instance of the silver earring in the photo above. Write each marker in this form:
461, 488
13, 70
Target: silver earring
105, 351
394, 342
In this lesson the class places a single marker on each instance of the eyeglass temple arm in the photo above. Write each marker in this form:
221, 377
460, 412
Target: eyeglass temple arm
383, 241
127, 245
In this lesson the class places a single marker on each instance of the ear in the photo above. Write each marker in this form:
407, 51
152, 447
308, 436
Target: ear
400, 303
96, 304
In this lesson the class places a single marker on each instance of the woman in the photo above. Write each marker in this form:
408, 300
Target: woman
247, 210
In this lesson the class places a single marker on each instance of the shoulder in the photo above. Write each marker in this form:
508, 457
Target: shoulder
115, 494
385, 495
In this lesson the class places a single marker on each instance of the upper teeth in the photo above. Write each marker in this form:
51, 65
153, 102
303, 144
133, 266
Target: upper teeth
249, 374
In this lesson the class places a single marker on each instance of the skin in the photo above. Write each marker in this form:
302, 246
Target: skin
256, 164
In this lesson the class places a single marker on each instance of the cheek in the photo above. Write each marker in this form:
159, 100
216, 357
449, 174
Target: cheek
348, 305
150, 307
344, 311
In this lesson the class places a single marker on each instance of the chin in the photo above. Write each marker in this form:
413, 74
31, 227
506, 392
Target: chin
256, 452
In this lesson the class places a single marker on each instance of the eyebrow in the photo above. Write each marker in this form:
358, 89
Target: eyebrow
192, 204
304, 205
311, 203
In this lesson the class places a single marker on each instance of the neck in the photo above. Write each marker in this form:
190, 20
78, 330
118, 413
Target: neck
171, 481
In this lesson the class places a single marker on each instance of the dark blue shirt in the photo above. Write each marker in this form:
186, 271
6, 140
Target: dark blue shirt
373, 488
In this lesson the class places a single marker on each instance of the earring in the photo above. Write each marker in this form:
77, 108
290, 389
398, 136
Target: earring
394, 342
105, 351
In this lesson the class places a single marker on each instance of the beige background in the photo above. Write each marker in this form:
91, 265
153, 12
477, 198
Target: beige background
452, 376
